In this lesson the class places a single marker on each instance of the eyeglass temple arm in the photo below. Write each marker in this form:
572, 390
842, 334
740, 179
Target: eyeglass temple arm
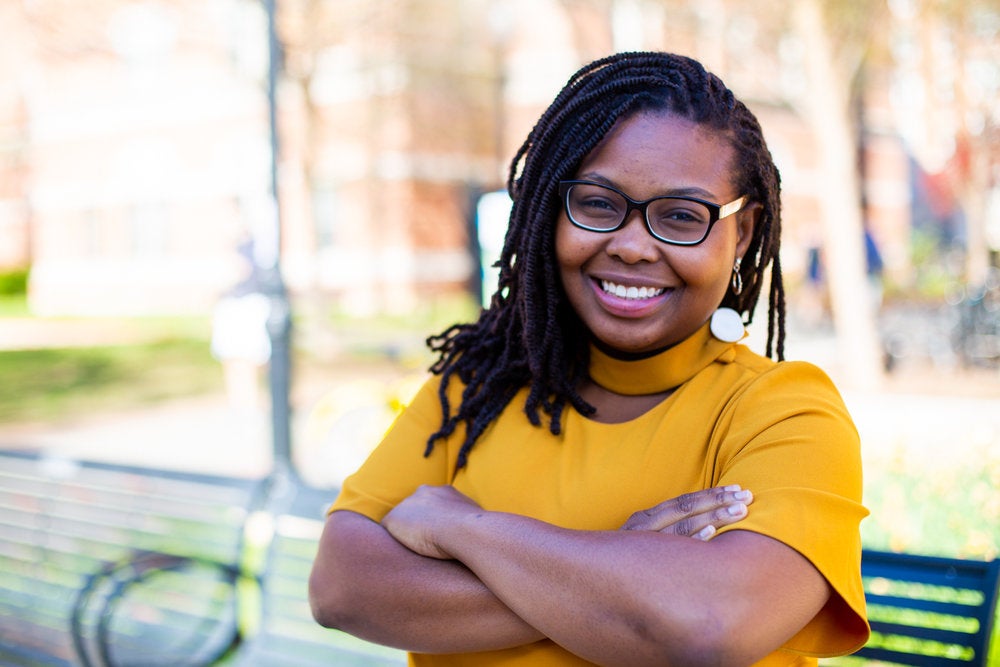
732, 207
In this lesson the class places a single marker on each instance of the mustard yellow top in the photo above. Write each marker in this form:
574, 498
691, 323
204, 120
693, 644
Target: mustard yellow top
778, 429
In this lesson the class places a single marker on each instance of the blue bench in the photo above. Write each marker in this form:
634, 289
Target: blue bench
929, 611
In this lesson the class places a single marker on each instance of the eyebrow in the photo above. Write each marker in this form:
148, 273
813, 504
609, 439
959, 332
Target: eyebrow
698, 193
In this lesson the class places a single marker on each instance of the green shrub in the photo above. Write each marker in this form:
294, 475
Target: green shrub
14, 283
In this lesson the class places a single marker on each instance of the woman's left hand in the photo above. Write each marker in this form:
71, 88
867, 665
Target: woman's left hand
698, 515
415, 521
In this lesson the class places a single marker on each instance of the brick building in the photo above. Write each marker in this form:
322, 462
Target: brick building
136, 156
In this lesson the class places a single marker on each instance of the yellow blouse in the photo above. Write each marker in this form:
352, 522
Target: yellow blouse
778, 429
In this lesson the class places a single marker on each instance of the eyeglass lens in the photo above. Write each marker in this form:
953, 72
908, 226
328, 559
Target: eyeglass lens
600, 209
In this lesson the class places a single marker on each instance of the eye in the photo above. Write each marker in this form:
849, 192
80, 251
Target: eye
595, 202
679, 213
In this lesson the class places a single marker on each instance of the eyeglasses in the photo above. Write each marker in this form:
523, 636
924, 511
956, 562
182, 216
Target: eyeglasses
674, 220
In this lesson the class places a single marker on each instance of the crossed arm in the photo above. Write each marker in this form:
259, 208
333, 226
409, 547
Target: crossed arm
441, 575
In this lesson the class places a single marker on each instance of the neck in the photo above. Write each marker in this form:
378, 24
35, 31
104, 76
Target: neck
621, 355
654, 372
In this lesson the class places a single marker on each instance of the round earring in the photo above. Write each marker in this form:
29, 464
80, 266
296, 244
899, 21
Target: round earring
737, 282
727, 325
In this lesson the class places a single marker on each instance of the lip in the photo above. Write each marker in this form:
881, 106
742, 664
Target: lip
627, 308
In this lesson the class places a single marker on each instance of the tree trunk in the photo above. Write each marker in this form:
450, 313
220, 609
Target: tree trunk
973, 157
825, 107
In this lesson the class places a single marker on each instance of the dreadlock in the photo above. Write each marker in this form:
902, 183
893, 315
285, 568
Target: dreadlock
524, 338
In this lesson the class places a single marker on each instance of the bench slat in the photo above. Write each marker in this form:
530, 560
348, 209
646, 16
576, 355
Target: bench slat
951, 637
957, 609
962, 592
914, 660
65, 526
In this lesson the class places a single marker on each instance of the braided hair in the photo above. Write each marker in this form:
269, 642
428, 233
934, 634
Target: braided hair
528, 336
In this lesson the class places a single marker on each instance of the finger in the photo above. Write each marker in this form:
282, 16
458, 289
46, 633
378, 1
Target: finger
682, 508
716, 519
676, 509
705, 525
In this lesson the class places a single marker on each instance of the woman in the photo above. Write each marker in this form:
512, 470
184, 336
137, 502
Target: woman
646, 211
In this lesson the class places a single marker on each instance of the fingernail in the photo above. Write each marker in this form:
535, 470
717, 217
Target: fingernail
743, 495
706, 532
737, 510
732, 487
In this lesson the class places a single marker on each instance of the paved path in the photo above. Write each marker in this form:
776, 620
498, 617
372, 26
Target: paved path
25, 333
195, 435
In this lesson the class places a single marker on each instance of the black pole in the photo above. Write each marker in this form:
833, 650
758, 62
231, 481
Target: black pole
279, 322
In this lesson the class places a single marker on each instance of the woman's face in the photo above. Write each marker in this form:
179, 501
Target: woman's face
649, 155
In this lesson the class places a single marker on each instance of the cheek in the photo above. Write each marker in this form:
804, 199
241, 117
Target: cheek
713, 261
706, 270
570, 246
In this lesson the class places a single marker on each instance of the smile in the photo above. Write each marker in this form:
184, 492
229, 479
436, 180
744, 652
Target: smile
623, 292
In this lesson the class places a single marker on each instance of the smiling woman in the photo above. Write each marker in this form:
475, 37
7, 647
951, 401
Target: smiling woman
600, 472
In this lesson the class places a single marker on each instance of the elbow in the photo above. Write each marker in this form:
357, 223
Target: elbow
329, 605
324, 613
323, 605
335, 599
700, 640
704, 649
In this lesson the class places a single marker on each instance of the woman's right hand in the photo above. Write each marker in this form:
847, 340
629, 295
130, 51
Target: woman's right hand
698, 515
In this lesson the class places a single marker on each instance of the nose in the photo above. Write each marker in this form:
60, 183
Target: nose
632, 243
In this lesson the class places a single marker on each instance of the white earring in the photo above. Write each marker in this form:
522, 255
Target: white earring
727, 325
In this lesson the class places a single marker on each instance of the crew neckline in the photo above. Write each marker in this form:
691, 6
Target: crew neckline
660, 372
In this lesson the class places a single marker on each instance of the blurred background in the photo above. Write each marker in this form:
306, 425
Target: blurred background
227, 226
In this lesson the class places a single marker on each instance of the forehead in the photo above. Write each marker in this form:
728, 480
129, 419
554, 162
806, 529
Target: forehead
652, 153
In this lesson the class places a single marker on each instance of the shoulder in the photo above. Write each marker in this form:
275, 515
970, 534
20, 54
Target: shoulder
757, 387
758, 373
764, 395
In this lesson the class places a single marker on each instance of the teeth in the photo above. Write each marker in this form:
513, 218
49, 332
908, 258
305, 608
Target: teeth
630, 292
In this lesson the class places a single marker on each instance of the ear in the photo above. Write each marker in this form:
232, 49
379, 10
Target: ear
746, 222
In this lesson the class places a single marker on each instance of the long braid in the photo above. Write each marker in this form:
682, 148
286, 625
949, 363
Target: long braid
529, 335
760, 178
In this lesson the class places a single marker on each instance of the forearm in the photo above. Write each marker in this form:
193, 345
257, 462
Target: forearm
365, 583
631, 598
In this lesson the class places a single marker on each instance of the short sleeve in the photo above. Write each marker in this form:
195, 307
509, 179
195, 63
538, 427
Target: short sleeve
788, 437
397, 466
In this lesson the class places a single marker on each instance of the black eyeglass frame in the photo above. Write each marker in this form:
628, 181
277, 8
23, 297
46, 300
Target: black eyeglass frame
716, 212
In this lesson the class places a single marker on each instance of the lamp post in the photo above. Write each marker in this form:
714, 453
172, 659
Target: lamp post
279, 321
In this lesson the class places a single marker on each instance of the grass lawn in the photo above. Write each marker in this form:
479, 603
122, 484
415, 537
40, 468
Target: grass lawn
13, 305
53, 384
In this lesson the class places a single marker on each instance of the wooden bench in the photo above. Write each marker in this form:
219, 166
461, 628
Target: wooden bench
113, 565
929, 611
